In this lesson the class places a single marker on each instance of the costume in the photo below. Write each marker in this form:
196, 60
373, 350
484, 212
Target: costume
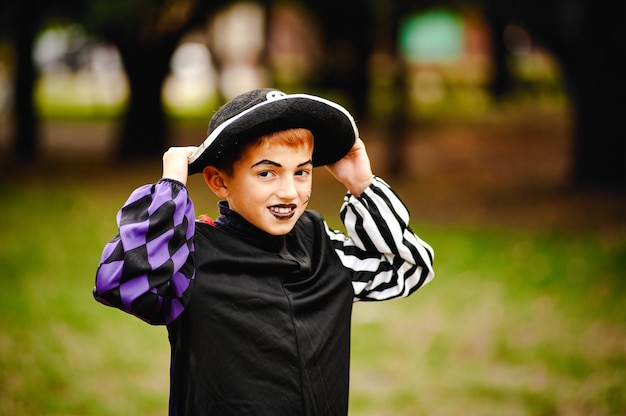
258, 324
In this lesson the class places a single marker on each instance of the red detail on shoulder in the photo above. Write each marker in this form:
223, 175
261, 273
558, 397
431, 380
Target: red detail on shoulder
206, 219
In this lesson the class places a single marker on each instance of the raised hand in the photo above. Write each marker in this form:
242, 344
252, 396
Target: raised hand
354, 169
175, 163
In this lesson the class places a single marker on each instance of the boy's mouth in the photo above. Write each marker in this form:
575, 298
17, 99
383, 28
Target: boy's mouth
283, 211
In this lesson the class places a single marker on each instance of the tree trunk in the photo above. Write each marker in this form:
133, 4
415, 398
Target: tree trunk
26, 120
144, 128
595, 74
349, 44
587, 38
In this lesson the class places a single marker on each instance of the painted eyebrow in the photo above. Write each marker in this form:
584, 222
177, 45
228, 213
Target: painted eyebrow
270, 162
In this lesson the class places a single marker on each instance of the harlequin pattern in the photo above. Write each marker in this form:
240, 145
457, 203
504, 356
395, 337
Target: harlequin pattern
147, 268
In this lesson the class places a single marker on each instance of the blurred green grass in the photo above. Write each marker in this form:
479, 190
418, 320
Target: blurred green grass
517, 322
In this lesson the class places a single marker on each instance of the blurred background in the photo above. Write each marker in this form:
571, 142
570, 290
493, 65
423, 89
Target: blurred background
500, 124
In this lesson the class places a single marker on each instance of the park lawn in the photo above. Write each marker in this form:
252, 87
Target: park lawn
516, 322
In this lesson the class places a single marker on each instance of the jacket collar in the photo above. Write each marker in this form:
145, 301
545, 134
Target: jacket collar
233, 223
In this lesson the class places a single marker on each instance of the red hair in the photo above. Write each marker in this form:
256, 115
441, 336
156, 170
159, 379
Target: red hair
293, 138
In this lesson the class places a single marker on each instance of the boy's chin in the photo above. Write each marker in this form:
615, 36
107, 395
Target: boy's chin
281, 226
280, 230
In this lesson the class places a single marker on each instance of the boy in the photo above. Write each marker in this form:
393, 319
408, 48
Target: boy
258, 303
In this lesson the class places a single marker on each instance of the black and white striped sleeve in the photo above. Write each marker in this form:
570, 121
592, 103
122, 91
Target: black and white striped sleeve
387, 258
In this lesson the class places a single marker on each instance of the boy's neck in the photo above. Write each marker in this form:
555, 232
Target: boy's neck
233, 223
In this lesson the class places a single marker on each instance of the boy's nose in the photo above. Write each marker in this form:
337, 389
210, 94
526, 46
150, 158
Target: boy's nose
288, 190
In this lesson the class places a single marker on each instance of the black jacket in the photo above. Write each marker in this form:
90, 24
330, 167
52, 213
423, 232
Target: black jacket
267, 327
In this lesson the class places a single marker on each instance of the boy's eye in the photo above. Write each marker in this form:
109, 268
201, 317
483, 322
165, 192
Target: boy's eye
303, 172
264, 174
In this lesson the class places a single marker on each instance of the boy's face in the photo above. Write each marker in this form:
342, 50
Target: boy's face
271, 186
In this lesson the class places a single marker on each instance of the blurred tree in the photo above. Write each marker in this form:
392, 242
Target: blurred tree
21, 21
348, 32
26, 26
584, 35
589, 41
146, 32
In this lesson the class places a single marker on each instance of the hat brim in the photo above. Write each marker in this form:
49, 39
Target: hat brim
333, 128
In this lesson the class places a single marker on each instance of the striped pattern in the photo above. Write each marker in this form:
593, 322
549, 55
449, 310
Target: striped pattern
388, 259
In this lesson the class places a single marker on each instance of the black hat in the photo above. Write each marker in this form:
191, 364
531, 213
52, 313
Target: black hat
263, 111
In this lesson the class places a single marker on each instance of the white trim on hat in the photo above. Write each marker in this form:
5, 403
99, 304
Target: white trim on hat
218, 130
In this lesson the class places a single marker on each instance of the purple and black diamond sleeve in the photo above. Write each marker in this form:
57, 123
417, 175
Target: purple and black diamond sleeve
147, 269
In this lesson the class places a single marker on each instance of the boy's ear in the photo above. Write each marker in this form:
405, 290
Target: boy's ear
214, 178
